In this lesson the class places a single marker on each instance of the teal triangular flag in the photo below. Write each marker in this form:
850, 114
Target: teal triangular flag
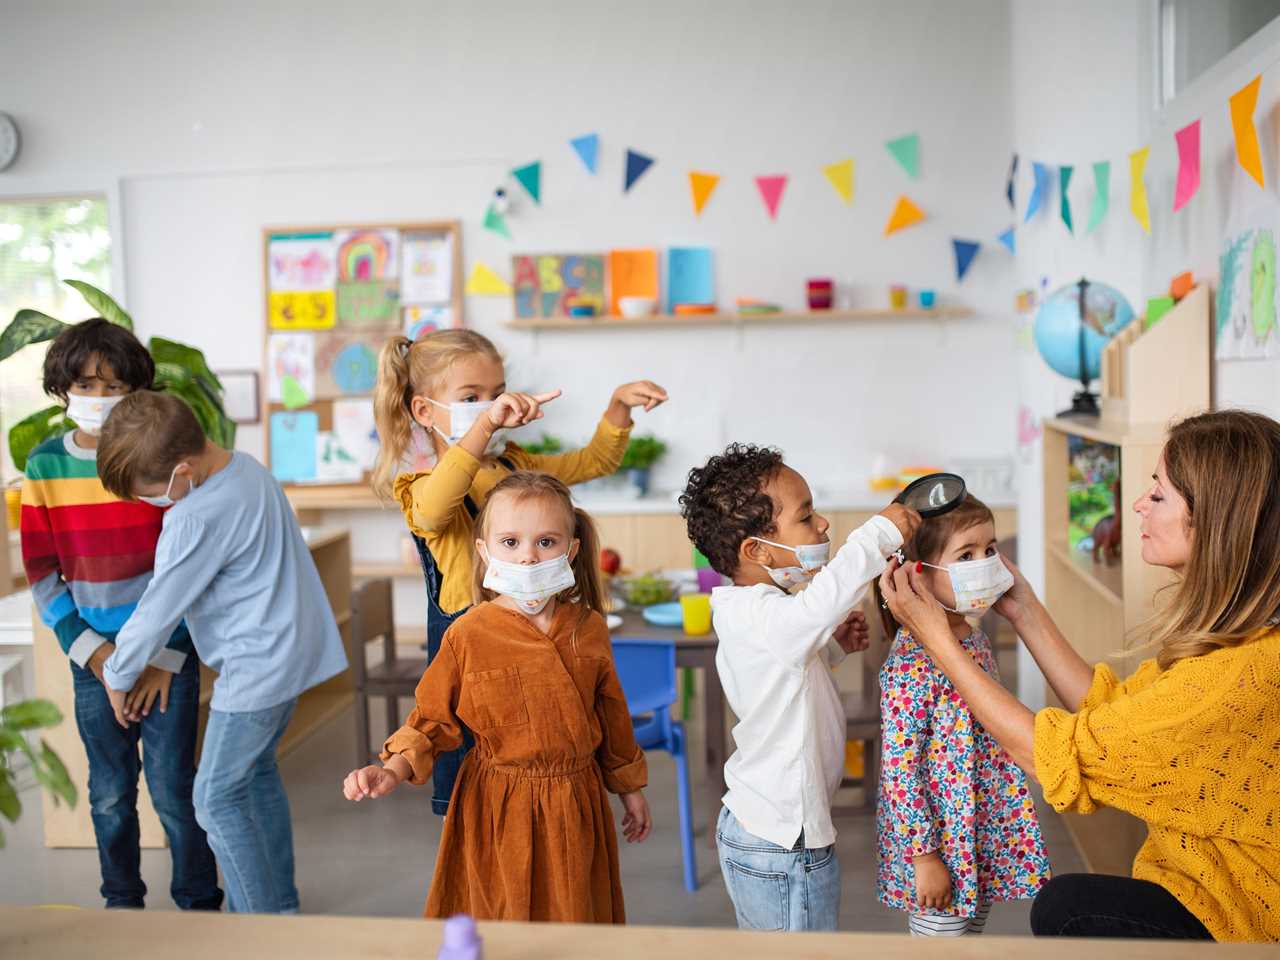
966, 250
1101, 194
1007, 238
637, 164
1064, 179
496, 222
530, 177
906, 150
588, 148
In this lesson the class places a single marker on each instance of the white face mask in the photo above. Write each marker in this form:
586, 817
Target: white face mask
531, 585
166, 500
812, 556
90, 413
977, 584
461, 418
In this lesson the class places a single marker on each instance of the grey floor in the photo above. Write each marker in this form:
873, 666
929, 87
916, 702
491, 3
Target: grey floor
375, 858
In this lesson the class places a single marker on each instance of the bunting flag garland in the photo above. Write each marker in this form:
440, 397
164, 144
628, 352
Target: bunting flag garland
530, 177
965, 251
496, 222
637, 165
906, 150
840, 176
771, 188
1243, 102
1064, 180
483, 282
905, 213
1188, 139
1038, 191
702, 185
588, 150
1007, 238
1008, 186
1138, 188
1101, 195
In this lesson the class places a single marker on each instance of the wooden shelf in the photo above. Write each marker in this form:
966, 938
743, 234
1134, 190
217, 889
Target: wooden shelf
386, 570
735, 319
351, 496
1107, 581
1113, 432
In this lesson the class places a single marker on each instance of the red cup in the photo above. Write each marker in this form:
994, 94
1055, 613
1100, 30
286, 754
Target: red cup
821, 292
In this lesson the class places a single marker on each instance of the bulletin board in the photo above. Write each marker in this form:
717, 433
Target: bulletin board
334, 294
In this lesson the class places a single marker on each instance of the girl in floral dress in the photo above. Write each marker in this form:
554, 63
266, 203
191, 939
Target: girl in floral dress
957, 823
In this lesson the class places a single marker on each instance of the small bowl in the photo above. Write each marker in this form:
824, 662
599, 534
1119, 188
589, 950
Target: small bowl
636, 306
582, 310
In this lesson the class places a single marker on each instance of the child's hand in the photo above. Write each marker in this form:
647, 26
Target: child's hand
904, 518
517, 409
636, 822
117, 698
642, 393
151, 686
933, 882
854, 634
372, 781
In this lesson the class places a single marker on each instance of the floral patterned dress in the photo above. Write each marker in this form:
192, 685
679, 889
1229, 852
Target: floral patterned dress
946, 785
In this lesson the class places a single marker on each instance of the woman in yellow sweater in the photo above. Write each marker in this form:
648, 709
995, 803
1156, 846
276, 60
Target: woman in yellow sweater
443, 415
1190, 743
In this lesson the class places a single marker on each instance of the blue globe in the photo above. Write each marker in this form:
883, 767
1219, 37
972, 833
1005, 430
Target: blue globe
1057, 327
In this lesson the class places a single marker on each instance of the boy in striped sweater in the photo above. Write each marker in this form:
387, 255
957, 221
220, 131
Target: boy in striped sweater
88, 557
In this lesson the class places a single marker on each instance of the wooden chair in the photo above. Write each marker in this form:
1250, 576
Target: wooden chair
862, 716
372, 617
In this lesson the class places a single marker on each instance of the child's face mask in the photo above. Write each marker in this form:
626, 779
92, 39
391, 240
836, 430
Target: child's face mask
462, 416
90, 413
812, 556
977, 584
531, 585
166, 500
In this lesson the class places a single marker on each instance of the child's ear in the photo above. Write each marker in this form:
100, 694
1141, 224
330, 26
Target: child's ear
573, 550
754, 552
423, 412
482, 551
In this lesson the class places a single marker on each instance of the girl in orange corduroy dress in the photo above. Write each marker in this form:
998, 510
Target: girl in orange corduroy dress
529, 669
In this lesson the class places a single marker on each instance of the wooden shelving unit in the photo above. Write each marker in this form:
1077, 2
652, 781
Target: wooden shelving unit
1149, 380
737, 319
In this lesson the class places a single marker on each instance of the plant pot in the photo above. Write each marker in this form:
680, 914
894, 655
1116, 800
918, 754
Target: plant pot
639, 478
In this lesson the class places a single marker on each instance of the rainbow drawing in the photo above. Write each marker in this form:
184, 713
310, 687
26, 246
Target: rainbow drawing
367, 254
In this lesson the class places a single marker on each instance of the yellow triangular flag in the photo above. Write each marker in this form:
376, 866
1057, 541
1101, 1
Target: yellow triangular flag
1138, 188
841, 177
483, 282
702, 185
1243, 102
904, 215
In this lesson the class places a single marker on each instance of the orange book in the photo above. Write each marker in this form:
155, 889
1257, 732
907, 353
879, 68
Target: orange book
632, 273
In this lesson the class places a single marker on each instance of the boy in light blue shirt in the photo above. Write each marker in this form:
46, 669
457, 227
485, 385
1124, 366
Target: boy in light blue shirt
231, 560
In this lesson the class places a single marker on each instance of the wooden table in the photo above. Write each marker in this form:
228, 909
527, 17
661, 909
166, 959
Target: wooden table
55, 934
699, 653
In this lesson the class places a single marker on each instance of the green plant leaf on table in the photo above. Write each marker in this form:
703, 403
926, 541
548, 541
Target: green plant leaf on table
102, 302
29, 433
28, 327
642, 452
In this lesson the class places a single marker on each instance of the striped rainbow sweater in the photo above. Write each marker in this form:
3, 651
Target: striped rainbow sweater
88, 555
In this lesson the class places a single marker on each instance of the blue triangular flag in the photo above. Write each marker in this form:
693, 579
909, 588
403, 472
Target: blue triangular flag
1039, 191
637, 164
588, 147
966, 250
1007, 239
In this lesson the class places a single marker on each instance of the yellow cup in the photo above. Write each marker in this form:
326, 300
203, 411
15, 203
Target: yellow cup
696, 608
13, 506
898, 298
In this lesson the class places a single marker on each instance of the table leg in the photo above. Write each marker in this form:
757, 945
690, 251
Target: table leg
713, 707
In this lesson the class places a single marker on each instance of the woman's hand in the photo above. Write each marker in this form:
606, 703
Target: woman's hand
636, 822
372, 781
516, 409
913, 606
1019, 600
933, 882
641, 393
153, 685
853, 634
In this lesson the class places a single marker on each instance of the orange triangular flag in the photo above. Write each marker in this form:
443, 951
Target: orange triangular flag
702, 185
904, 215
1243, 102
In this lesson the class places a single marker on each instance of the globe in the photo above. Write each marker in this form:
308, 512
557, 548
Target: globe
1057, 327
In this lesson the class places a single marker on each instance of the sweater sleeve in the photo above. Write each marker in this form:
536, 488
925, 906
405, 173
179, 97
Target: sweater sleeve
599, 458
620, 758
433, 727
429, 501
907, 706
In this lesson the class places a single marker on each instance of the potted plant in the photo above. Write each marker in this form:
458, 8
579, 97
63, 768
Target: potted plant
49, 771
549, 444
642, 453
180, 369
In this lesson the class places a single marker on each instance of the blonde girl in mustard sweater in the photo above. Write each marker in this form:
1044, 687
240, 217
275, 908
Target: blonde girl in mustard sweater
1189, 743
443, 414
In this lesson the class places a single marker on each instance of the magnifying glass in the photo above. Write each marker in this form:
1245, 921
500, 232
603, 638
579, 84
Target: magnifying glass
933, 495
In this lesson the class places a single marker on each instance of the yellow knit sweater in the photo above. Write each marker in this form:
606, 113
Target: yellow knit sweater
1194, 751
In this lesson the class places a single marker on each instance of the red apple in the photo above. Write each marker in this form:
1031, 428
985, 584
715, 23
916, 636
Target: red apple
610, 561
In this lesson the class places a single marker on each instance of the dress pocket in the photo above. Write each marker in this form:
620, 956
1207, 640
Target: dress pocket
497, 698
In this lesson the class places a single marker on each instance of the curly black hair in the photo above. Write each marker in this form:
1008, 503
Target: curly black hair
724, 502
107, 342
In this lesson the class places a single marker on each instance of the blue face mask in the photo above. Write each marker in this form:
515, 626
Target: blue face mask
166, 500
812, 556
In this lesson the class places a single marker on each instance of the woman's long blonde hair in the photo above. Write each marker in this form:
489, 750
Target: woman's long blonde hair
1226, 466
407, 369
588, 588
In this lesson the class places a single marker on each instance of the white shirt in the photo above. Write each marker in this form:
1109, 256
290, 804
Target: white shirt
790, 734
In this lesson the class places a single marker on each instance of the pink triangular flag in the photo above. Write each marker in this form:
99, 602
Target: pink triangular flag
771, 192
1188, 164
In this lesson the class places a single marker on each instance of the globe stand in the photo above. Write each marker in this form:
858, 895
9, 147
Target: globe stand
1084, 403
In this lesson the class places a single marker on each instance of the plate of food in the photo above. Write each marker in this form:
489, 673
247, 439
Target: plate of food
646, 589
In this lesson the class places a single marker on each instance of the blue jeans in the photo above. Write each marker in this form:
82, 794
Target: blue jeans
773, 888
169, 758
241, 803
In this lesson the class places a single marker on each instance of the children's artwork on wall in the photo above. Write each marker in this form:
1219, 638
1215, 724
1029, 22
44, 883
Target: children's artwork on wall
368, 254
369, 304
334, 462
346, 363
354, 427
301, 309
293, 445
301, 261
420, 320
290, 358
426, 268
632, 273
690, 277
547, 285
1246, 308
1029, 431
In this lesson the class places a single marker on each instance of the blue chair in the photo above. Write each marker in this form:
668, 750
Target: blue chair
647, 671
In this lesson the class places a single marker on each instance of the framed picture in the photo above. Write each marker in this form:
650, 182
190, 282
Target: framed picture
240, 395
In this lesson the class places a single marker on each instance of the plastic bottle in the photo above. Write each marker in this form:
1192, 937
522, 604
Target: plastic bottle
461, 941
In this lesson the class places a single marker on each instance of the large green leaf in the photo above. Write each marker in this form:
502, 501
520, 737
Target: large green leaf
28, 327
28, 714
53, 774
10, 805
101, 302
189, 358
201, 397
26, 435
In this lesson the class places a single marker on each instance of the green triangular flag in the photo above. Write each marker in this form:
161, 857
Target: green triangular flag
1064, 179
1101, 194
496, 222
291, 393
906, 150
530, 177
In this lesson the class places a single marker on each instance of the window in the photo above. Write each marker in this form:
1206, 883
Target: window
1196, 34
42, 243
